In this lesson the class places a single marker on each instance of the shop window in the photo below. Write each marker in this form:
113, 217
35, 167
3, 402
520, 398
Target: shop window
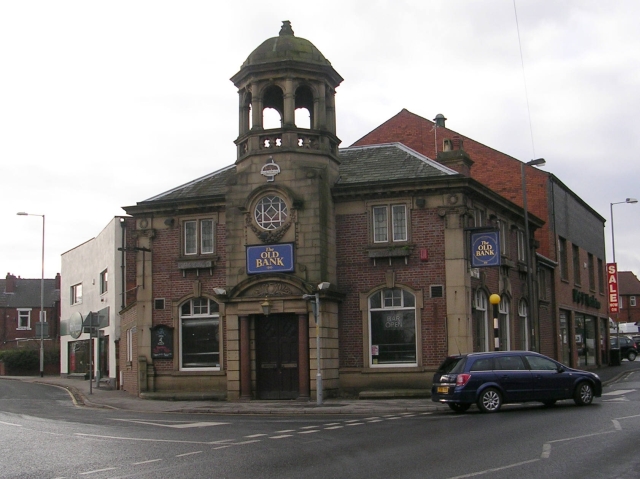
564, 260
76, 293
198, 237
523, 319
389, 223
392, 328
592, 273
503, 237
481, 322
521, 246
199, 335
479, 218
600, 277
24, 319
576, 264
504, 321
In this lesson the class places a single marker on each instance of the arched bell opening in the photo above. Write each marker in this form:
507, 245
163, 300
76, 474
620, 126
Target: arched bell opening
273, 107
304, 108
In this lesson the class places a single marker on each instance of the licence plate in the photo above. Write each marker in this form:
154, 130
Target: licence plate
443, 390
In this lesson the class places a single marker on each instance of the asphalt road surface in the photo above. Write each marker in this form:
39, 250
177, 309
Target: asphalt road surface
45, 436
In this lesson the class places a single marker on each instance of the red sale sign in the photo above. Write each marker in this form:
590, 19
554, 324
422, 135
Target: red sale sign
612, 287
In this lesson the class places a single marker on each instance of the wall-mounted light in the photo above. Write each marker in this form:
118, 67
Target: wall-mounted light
420, 202
169, 222
220, 291
266, 306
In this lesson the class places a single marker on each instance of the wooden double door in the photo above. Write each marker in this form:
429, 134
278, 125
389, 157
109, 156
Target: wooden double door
277, 361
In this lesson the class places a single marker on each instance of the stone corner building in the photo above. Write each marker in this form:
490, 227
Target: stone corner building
221, 264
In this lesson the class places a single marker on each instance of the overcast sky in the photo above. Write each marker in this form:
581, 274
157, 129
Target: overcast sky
104, 104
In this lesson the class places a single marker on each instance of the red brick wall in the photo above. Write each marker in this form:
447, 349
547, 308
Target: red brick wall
500, 172
171, 283
358, 274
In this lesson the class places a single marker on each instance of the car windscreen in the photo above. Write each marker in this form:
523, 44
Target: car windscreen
453, 364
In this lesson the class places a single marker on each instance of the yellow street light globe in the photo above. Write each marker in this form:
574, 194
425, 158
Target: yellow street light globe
494, 299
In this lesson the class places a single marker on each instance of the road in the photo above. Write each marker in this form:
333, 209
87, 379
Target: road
45, 436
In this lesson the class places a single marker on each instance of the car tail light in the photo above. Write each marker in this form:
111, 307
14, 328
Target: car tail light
462, 379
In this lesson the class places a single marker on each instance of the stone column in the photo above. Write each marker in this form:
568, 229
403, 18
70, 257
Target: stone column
245, 359
303, 356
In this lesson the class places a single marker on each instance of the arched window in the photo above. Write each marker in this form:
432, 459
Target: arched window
199, 335
523, 319
503, 325
392, 328
481, 322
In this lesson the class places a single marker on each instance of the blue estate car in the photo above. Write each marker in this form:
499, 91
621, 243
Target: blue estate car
495, 378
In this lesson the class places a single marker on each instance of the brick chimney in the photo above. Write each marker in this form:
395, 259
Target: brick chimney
10, 284
454, 156
57, 283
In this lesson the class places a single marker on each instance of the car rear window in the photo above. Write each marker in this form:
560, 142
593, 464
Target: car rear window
452, 364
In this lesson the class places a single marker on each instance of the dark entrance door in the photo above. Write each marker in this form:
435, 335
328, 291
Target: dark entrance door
277, 356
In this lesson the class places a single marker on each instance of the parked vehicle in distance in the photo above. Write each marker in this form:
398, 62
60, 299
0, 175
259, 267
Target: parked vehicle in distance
492, 379
628, 347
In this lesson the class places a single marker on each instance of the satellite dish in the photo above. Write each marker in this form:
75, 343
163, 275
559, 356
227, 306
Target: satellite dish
75, 325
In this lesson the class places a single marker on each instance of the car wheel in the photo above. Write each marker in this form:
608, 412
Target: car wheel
549, 403
490, 400
584, 394
458, 407
631, 356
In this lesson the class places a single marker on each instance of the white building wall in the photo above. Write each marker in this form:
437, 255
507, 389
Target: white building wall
84, 264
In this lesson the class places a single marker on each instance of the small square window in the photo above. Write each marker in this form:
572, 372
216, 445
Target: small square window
76, 293
158, 303
104, 282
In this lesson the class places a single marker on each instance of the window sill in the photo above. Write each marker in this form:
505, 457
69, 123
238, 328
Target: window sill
196, 263
387, 251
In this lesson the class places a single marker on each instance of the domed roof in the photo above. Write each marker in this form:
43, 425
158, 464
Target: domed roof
286, 46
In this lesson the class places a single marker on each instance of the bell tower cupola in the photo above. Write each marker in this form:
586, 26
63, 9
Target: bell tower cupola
287, 76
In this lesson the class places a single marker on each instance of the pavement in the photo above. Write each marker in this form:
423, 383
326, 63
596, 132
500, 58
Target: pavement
87, 394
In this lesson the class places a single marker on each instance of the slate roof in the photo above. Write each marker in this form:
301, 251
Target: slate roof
211, 185
387, 162
27, 294
362, 164
628, 283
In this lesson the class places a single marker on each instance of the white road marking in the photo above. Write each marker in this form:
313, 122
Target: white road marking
494, 469
280, 437
146, 462
546, 451
97, 436
334, 427
311, 431
188, 453
309, 427
355, 424
285, 430
175, 426
629, 417
618, 392
256, 435
616, 425
10, 424
98, 470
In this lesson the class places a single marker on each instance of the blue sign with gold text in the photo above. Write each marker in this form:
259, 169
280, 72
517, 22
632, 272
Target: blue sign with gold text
274, 258
485, 249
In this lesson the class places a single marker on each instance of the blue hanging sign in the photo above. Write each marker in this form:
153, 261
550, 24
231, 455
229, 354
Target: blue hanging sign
274, 258
485, 249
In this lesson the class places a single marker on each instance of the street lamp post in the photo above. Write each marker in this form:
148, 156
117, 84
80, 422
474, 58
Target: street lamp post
613, 252
42, 315
315, 304
527, 251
